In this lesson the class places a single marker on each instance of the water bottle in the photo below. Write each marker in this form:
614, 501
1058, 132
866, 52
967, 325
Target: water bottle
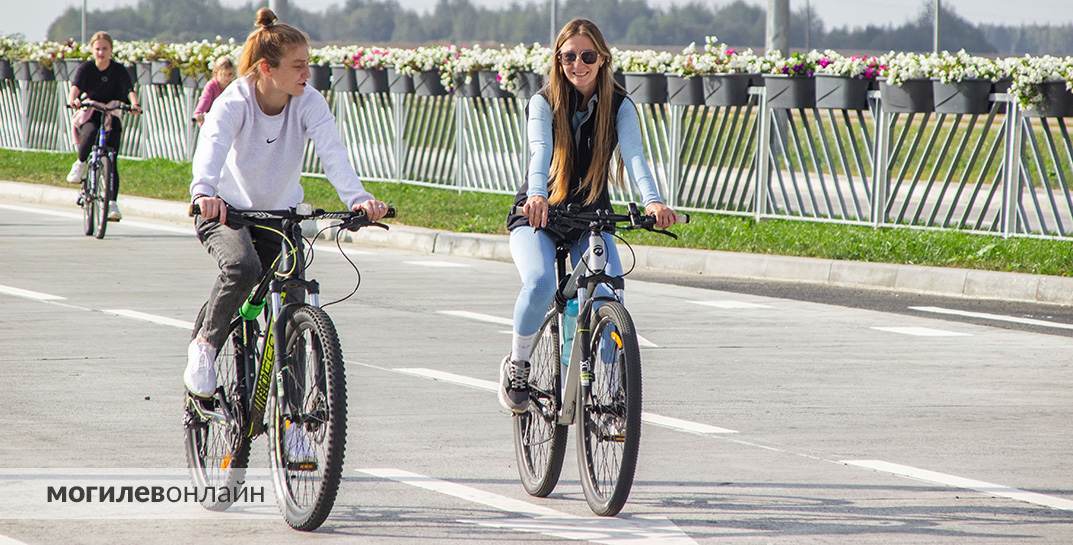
569, 325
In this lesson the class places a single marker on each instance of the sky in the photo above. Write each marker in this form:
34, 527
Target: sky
32, 20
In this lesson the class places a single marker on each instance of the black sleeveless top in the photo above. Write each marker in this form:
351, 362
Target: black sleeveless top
582, 140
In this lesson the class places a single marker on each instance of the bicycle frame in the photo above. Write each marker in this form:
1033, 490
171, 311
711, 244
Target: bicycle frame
588, 274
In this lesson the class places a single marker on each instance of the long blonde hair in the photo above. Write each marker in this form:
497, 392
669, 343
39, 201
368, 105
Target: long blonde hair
269, 42
559, 94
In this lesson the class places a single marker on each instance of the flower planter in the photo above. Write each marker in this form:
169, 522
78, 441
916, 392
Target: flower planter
6, 71
488, 80
525, 89
343, 80
647, 88
33, 71
471, 89
65, 68
536, 82
1001, 86
400, 84
965, 97
620, 79
428, 84
164, 74
320, 77
1055, 101
371, 81
145, 73
784, 92
726, 89
193, 82
841, 93
756, 80
683, 91
913, 96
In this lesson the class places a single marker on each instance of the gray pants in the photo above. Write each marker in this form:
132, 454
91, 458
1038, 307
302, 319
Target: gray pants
243, 254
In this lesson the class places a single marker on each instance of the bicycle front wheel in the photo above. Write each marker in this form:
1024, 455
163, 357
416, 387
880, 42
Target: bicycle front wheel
102, 196
609, 421
218, 452
89, 205
539, 442
307, 420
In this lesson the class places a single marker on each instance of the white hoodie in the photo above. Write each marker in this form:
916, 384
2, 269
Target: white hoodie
254, 161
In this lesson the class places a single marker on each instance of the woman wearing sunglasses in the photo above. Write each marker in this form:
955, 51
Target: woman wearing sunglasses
574, 125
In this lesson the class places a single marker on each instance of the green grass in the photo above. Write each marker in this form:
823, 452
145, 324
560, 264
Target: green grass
486, 213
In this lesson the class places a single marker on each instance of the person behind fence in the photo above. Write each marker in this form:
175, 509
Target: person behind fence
223, 73
104, 81
574, 125
249, 156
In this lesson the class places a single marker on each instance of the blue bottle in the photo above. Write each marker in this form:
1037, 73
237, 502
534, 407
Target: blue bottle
569, 325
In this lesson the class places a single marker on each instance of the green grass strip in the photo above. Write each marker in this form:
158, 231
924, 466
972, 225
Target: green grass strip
474, 212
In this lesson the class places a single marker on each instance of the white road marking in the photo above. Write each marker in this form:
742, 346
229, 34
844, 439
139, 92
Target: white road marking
436, 264
726, 304
478, 317
126, 223
682, 425
4, 540
997, 317
42, 211
922, 331
641, 341
28, 294
490, 386
162, 320
544, 520
961, 482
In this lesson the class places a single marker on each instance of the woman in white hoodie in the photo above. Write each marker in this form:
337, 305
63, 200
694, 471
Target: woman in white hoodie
249, 156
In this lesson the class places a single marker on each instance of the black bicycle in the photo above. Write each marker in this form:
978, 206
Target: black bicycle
593, 380
97, 186
281, 360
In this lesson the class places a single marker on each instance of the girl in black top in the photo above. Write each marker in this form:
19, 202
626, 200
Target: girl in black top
101, 80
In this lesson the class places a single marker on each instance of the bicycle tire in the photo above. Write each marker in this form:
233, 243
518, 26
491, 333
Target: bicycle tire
539, 467
102, 196
89, 208
611, 414
232, 452
319, 359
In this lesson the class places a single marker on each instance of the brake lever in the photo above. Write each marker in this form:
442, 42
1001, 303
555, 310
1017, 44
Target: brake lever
664, 232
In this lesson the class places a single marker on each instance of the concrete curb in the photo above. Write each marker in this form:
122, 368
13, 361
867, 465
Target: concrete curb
908, 278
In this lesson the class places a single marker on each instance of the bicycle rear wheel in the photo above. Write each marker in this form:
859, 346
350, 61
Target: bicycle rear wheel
218, 453
89, 206
609, 421
102, 195
539, 442
313, 399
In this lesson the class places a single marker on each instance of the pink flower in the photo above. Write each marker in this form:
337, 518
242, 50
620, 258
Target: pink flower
499, 77
730, 51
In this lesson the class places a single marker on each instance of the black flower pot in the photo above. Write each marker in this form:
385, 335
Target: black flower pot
784, 92
912, 96
320, 77
647, 88
428, 84
536, 82
6, 70
145, 73
165, 74
1001, 86
65, 69
21, 70
488, 80
620, 79
193, 82
756, 80
400, 84
525, 89
467, 90
965, 97
371, 81
343, 80
841, 93
682, 91
726, 89
132, 71
33, 71
1056, 101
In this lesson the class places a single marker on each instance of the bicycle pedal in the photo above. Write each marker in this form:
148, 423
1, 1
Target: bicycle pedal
301, 466
617, 438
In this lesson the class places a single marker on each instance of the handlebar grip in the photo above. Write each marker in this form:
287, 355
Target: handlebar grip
193, 210
681, 217
390, 212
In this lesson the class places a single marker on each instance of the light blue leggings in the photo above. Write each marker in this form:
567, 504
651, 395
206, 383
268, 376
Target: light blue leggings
534, 256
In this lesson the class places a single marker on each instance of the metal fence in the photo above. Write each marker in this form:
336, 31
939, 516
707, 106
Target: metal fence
866, 167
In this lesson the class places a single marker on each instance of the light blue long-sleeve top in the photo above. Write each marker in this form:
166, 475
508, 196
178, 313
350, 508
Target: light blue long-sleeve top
629, 144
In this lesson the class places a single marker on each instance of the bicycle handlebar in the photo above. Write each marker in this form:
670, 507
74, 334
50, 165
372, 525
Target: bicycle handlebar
572, 215
100, 106
352, 220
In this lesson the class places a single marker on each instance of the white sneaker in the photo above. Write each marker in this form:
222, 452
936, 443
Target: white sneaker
78, 171
113, 211
200, 374
298, 444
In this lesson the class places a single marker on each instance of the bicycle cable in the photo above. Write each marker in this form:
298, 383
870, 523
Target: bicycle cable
338, 244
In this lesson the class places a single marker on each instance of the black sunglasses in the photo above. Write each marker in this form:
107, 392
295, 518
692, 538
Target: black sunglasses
588, 56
